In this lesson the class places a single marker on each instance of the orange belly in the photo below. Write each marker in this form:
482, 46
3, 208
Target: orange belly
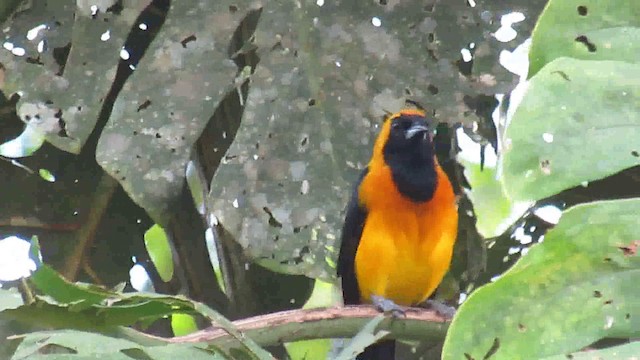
406, 247
402, 258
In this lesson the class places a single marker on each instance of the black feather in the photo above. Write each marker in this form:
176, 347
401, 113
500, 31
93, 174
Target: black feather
351, 233
382, 350
411, 160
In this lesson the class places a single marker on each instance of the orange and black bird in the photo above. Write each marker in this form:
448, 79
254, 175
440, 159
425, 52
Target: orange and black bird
400, 225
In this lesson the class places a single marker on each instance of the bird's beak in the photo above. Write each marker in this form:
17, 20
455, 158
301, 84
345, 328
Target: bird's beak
415, 129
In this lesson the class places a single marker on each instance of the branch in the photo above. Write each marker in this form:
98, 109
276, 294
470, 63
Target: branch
305, 324
86, 234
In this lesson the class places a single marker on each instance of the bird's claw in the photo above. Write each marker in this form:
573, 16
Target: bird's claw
440, 307
387, 306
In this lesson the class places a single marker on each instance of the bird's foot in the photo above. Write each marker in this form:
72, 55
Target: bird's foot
387, 306
440, 307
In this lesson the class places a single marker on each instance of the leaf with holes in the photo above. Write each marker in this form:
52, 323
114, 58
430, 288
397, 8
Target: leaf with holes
159, 115
325, 76
579, 121
63, 69
575, 288
586, 29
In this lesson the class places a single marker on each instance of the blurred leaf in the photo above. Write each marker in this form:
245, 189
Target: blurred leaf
620, 352
159, 249
62, 97
575, 288
72, 344
28, 142
219, 320
491, 206
109, 307
94, 308
325, 77
52, 284
324, 295
134, 307
579, 121
363, 338
182, 351
129, 309
183, 324
7, 7
81, 344
168, 100
34, 251
309, 349
46, 175
586, 29
10, 299
43, 314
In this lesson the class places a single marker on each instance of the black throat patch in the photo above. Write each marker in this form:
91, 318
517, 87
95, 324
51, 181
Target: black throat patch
412, 166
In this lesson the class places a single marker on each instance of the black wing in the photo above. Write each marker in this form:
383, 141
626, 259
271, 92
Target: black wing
351, 233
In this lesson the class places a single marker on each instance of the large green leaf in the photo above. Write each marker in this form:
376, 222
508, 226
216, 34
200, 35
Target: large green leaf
168, 100
621, 352
586, 29
326, 74
579, 121
578, 286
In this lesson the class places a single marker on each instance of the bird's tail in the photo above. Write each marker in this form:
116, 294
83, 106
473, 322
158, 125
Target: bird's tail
382, 350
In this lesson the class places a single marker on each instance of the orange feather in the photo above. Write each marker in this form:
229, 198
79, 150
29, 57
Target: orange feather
406, 246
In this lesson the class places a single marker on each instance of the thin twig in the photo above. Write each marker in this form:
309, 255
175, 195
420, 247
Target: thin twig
85, 235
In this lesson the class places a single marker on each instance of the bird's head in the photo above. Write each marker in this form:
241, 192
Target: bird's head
408, 137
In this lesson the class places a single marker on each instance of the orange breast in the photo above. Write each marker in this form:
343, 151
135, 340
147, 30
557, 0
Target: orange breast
405, 248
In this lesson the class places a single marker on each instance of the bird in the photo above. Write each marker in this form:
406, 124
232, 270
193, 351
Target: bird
400, 224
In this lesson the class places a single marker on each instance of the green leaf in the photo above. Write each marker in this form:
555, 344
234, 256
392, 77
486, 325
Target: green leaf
10, 299
255, 350
36, 345
90, 307
621, 352
183, 324
579, 121
363, 338
47, 175
181, 351
159, 249
586, 29
52, 284
309, 349
576, 287
71, 344
134, 307
89, 303
43, 314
